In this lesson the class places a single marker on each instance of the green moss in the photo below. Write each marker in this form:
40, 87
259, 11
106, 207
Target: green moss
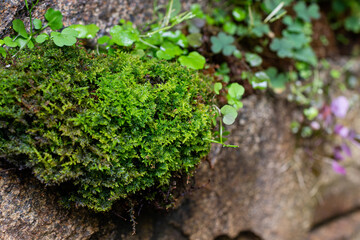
111, 126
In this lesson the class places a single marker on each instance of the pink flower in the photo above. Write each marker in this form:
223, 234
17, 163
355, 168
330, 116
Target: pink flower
341, 131
315, 125
340, 106
338, 168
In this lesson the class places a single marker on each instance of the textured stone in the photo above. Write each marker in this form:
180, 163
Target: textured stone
343, 228
264, 189
104, 13
29, 211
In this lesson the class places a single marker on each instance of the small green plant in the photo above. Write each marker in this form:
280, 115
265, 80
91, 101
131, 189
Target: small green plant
223, 43
296, 38
111, 126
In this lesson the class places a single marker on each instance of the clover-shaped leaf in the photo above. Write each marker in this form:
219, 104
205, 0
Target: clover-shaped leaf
298, 40
253, 59
194, 60
283, 47
306, 54
352, 23
85, 31
229, 114
124, 36
19, 27
54, 19
222, 42
66, 38
277, 80
236, 91
260, 29
307, 13
37, 23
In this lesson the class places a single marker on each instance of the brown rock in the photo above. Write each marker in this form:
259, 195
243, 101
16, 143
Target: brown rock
104, 13
28, 211
343, 228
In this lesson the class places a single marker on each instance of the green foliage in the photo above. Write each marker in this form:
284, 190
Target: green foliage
110, 126
277, 80
222, 72
67, 37
217, 87
223, 43
253, 59
235, 93
296, 39
306, 13
85, 31
229, 114
194, 60
124, 35
239, 14
54, 19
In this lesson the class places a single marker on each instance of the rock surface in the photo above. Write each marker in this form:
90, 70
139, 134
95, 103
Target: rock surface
265, 189
28, 211
104, 13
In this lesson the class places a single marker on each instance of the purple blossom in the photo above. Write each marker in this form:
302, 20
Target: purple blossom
354, 138
341, 130
340, 106
338, 153
338, 168
345, 148
315, 125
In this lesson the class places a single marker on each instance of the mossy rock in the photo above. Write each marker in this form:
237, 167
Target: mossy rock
110, 126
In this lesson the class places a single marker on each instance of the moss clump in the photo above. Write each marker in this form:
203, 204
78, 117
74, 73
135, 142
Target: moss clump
111, 126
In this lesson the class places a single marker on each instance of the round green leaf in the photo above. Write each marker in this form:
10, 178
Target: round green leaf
41, 38
85, 31
37, 23
239, 14
9, 42
230, 28
229, 114
236, 91
168, 51
103, 40
253, 59
124, 37
217, 87
66, 38
311, 113
194, 39
194, 60
19, 27
260, 77
237, 54
54, 19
